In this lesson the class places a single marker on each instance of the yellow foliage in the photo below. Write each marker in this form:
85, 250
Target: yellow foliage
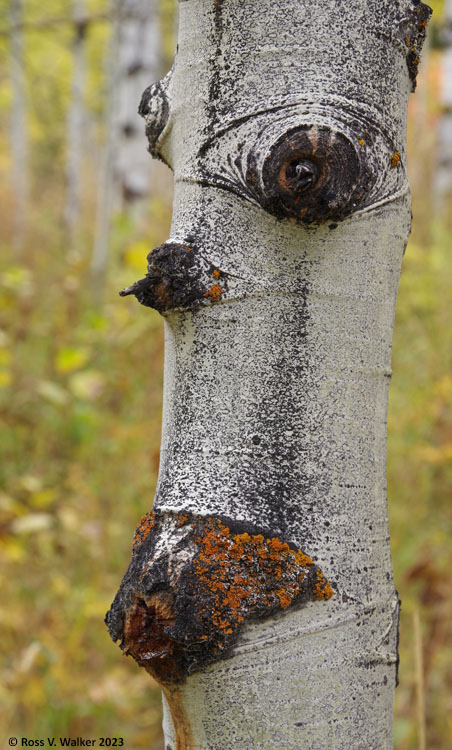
43, 498
5, 357
71, 358
13, 550
135, 256
5, 378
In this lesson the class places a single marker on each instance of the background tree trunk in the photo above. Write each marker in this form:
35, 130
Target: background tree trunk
443, 172
138, 65
76, 123
260, 591
107, 187
131, 63
19, 141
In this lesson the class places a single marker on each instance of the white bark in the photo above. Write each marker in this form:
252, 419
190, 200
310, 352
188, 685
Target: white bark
443, 172
19, 140
106, 184
76, 122
138, 66
278, 357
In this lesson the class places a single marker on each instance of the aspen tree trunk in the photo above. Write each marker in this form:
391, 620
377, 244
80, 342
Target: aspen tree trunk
76, 122
138, 63
260, 590
19, 141
443, 172
106, 185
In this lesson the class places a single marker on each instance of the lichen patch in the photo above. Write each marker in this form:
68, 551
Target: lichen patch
194, 581
395, 160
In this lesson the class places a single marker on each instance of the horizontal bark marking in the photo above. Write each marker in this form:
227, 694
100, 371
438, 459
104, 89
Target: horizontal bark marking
259, 158
194, 581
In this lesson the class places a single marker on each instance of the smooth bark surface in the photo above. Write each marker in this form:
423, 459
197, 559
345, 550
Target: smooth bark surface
284, 123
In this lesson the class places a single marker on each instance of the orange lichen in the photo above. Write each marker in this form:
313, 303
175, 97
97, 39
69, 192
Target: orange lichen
303, 559
245, 573
395, 159
144, 527
284, 598
216, 273
361, 141
322, 588
174, 618
214, 292
407, 41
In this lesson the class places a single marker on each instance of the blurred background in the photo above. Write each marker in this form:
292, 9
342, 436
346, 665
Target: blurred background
81, 370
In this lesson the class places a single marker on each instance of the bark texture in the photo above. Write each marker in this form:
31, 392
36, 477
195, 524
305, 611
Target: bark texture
284, 123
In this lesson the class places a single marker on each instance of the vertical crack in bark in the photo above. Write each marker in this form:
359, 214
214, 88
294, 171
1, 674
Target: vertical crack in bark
194, 581
398, 610
214, 98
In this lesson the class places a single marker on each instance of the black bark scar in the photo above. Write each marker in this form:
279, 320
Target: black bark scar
177, 277
311, 174
414, 32
194, 581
